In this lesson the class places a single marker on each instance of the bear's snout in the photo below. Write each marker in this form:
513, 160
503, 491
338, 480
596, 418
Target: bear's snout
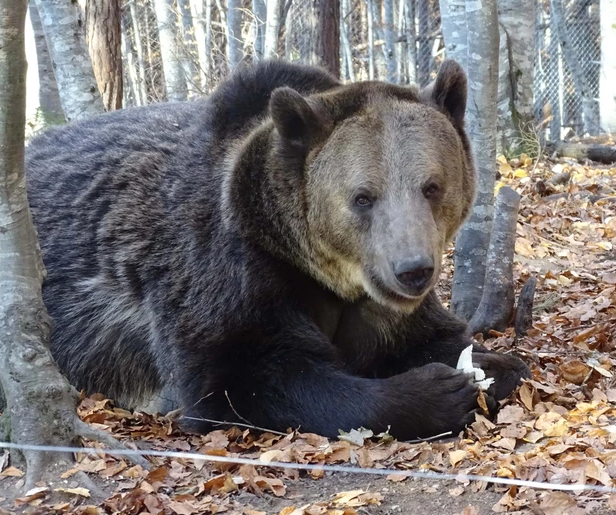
414, 274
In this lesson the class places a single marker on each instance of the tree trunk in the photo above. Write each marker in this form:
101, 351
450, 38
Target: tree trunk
40, 404
607, 95
133, 95
328, 36
235, 45
515, 89
553, 84
189, 51
201, 11
474, 238
259, 11
347, 54
175, 83
143, 87
104, 37
411, 41
72, 67
453, 23
390, 41
582, 87
49, 98
425, 51
271, 29
370, 17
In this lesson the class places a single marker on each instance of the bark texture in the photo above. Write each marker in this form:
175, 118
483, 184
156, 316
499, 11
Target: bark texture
40, 404
390, 42
49, 98
104, 36
517, 58
496, 307
328, 36
235, 45
175, 83
72, 67
189, 50
271, 29
259, 11
473, 240
201, 11
143, 90
453, 23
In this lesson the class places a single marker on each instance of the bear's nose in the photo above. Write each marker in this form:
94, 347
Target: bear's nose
414, 274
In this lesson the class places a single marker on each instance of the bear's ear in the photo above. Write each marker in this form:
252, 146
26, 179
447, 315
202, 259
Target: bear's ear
448, 92
294, 119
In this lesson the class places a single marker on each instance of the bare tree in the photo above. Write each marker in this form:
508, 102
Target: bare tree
474, 238
132, 93
607, 96
517, 58
345, 40
40, 404
72, 67
259, 12
411, 41
328, 36
453, 21
235, 45
104, 37
371, 63
49, 98
582, 86
390, 41
272, 28
425, 50
175, 82
202, 19
143, 90
189, 50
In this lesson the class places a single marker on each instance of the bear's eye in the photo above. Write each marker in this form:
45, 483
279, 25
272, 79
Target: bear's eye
363, 201
431, 191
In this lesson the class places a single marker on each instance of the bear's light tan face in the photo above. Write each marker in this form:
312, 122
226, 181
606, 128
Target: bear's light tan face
385, 194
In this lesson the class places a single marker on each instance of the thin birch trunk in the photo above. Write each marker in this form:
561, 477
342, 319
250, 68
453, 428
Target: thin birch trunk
453, 23
72, 67
259, 12
130, 66
474, 238
175, 83
235, 45
370, 17
49, 98
390, 41
346, 43
271, 29
190, 56
411, 41
143, 88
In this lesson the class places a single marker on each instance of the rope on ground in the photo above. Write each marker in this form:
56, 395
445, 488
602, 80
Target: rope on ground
442, 476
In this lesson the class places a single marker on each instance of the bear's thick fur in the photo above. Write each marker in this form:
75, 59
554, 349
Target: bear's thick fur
268, 253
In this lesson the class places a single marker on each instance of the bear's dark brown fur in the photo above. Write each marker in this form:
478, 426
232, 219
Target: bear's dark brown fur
269, 252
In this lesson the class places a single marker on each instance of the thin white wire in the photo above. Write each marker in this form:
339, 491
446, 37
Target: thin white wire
327, 468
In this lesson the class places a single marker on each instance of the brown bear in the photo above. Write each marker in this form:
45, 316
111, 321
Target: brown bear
267, 254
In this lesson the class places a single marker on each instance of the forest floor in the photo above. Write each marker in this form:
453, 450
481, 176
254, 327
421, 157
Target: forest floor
559, 427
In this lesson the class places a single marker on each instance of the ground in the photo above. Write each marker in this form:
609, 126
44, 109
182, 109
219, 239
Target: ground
559, 427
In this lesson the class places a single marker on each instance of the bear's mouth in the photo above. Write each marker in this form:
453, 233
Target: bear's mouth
392, 296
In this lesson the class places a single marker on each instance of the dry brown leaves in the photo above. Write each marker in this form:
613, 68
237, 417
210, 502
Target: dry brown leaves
559, 427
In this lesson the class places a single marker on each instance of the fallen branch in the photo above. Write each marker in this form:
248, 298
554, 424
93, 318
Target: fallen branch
496, 306
605, 154
546, 187
524, 312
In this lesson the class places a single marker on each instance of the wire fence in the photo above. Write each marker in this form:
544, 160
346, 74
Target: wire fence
395, 40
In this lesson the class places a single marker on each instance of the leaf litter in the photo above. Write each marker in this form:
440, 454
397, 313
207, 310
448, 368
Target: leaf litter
558, 427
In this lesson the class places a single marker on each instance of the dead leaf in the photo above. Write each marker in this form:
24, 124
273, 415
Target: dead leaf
81, 492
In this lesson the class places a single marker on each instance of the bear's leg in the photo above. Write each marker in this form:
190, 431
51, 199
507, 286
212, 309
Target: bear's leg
444, 337
285, 375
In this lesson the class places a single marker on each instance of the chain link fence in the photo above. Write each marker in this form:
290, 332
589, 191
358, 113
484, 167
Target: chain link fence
395, 40
559, 95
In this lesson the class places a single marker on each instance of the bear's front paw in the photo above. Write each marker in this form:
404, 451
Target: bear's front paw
449, 400
506, 369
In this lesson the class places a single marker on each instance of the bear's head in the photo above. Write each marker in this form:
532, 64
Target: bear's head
362, 186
